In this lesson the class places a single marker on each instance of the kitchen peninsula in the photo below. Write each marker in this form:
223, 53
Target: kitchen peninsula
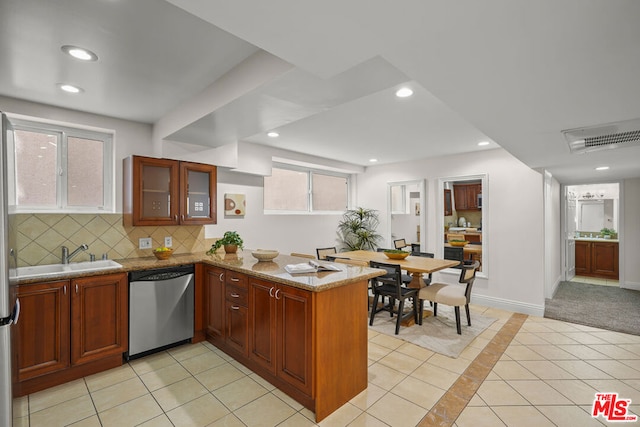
304, 333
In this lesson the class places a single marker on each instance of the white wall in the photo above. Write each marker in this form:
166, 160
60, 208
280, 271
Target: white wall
286, 233
630, 233
514, 220
130, 137
554, 241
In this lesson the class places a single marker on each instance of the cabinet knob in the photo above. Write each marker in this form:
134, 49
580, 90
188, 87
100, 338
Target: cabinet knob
175, 217
277, 291
271, 292
234, 279
235, 296
221, 277
76, 288
235, 307
64, 289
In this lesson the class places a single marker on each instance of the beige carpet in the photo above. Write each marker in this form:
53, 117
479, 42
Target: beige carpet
437, 334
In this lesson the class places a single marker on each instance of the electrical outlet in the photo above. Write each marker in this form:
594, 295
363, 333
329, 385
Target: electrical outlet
144, 243
168, 242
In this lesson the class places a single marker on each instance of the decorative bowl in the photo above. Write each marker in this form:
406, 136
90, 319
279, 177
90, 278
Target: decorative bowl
459, 243
396, 254
265, 254
163, 254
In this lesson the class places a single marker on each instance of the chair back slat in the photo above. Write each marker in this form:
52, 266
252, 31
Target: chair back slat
323, 252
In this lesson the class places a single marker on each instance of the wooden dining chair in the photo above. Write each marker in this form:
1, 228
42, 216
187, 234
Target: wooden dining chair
323, 252
454, 253
400, 243
356, 262
427, 280
302, 255
390, 285
455, 295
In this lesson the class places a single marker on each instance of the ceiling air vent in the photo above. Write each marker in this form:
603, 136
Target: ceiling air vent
603, 137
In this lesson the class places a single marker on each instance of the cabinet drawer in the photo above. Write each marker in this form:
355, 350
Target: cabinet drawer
236, 295
236, 279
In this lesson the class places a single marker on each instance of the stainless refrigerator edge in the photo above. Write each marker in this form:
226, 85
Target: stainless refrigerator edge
9, 305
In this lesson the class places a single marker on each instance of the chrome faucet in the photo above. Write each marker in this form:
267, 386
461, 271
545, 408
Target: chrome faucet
66, 256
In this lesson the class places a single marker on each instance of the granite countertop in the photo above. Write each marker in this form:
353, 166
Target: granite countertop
595, 239
242, 262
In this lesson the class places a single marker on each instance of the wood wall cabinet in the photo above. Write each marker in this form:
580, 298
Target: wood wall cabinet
466, 196
168, 192
597, 259
448, 209
70, 329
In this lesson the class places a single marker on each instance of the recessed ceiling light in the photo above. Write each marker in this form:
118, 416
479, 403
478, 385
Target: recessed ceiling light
404, 92
602, 168
69, 88
79, 53
483, 143
373, 160
273, 134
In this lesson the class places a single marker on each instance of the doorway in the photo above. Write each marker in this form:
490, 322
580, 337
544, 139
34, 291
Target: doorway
592, 245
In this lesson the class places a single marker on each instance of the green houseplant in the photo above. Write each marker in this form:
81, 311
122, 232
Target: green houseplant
231, 242
357, 229
607, 233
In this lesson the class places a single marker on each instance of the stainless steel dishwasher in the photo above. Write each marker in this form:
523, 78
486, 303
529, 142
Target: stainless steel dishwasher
160, 309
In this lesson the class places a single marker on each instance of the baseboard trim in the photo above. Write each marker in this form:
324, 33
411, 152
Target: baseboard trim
510, 305
634, 286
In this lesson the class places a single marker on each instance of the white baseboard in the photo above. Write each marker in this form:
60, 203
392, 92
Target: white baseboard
630, 285
504, 304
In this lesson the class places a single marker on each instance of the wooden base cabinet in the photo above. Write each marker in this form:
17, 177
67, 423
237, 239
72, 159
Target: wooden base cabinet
69, 329
597, 259
42, 339
311, 345
280, 339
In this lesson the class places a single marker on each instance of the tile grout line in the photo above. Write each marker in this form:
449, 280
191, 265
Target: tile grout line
445, 412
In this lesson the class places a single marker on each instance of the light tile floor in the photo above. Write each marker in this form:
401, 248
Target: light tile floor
546, 375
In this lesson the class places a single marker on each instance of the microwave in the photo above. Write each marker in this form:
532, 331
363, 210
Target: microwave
479, 201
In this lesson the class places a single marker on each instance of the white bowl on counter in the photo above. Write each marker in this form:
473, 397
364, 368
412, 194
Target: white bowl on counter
265, 254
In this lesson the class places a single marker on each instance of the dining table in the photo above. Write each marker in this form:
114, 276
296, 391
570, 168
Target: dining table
415, 265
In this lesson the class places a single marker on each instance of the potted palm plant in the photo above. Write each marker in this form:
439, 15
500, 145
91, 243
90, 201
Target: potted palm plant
357, 229
231, 242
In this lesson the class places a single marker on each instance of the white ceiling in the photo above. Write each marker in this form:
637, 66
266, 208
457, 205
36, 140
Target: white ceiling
514, 72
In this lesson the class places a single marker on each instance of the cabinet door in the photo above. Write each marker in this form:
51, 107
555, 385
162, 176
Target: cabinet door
99, 312
460, 196
604, 259
215, 307
293, 337
583, 257
42, 339
154, 191
236, 323
262, 318
197, 193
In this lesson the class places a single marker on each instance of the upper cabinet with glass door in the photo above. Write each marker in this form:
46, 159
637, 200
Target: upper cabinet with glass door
168, 192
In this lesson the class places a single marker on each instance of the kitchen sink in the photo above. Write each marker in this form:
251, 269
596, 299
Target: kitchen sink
53, 270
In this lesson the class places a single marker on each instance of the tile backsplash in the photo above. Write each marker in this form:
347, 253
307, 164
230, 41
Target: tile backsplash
41, 236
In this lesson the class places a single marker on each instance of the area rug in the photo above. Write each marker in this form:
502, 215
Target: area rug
604, 307
437, 334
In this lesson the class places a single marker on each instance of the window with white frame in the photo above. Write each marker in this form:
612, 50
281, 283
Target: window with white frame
297, 190
62, 169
